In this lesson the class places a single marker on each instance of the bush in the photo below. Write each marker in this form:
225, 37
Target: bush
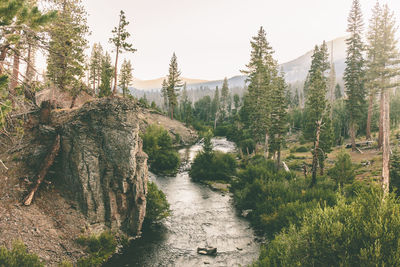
212, 166
157, 206
157, 144
217, 166
365, 232
247, 145
395, 171
302, 149
221, 130
343, 170
275, 198
100, 248
18, 256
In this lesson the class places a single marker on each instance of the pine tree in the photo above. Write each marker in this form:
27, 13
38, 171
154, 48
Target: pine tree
125, 78
316, 104
95, 66
261, 71
374, 38
106, 76
338, 92
174, 84
186, 106
164, 93
66, 60
216, 106
296, 99
119, 39
278, 117
354, 74
224, 99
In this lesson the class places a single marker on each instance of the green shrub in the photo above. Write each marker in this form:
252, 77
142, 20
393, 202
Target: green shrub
275, 198
343, 170
100, 248
157, 144
212, 166
302, 149
395, 171
221, 130
364, 232
157, 206
18, 256
247, 145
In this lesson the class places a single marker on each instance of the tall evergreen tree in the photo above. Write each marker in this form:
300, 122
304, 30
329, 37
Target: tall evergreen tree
261, 71
174, 84
354, 74
66, 60
125, 77
119, 39
95, 66
164, 93
106, 76
316, 104
216, 106
186, 106
338, 92
224, 99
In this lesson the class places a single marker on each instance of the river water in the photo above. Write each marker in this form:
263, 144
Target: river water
200, 217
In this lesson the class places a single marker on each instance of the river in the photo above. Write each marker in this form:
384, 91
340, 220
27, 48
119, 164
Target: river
200, 217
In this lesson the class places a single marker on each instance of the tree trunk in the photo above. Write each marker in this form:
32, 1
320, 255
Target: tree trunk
266, 146
353, 135
48, 161
73, 101
115, 72
278, 159
15, 73
3, 55
369, 118
381, 118
315, 154
385, 142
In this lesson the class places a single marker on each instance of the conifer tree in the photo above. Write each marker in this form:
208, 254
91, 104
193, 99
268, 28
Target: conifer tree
119, 40
66, 60
354, 74
316, 104
125, 78
186, 106
216, 106
174, 84
338, 92
261, 71
164, 93
95, 66
374, 38
106, 76
224, 99
278, 117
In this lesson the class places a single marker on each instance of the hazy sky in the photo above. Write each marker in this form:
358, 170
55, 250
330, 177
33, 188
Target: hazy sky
211, 37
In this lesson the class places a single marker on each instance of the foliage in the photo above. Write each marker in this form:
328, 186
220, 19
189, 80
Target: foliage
274, 197
157, 206
125, 77
173, 84
343, 170
100, 248
5, 103
120, 41
158, 145
395, 171
211, 165
365, 232
106, 76
66, 60
18, 256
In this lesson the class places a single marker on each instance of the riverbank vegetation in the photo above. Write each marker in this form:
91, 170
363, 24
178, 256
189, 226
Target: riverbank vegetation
157, 206
157, 144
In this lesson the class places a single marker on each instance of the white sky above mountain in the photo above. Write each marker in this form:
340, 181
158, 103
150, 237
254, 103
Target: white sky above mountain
211, 37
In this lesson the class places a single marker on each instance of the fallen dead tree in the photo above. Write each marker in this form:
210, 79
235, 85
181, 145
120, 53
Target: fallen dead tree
48, 161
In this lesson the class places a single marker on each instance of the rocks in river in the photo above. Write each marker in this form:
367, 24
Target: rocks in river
207, 251
103, 164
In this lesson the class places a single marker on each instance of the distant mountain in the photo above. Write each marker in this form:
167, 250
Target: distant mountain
295, 70
156, 83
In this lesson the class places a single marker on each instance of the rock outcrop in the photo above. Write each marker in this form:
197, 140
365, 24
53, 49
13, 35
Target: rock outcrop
103, 164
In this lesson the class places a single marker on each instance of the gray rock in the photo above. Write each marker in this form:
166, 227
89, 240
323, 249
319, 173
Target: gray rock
103, 164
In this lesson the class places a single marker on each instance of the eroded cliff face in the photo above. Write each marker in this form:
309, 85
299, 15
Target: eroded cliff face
103, 164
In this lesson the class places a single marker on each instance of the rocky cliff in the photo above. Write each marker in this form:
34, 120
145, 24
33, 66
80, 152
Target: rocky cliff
103, 164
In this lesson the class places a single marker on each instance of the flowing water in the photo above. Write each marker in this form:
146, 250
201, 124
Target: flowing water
200, 217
